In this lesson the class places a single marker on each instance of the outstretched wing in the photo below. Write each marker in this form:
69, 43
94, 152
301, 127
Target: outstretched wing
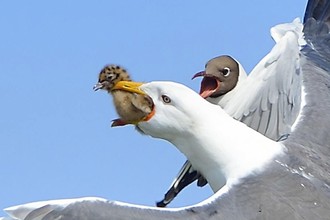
269, 99
311, 135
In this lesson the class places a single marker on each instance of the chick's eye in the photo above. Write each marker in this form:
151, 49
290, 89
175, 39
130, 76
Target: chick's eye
166, 99
226, 71
110, 77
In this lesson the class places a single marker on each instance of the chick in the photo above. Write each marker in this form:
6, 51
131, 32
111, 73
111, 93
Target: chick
131, 107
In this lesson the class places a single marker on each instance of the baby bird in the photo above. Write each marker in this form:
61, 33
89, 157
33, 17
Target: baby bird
131, 107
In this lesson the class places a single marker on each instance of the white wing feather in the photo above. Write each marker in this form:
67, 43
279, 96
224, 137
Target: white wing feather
269, 99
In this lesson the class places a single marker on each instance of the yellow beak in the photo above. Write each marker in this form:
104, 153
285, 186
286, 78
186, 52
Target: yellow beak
129, 86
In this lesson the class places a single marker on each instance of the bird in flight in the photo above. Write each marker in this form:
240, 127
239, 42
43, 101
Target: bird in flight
278, 180
268, 100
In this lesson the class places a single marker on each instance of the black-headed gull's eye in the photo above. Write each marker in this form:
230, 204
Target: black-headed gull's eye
166, 99
226, 71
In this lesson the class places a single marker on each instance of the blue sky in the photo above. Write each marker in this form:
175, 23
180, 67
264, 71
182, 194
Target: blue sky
55, 135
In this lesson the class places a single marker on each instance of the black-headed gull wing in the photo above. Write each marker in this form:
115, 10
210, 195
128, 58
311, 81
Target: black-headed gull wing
269, 99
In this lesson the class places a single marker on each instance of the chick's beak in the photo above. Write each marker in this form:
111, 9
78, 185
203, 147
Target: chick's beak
129, 86
97, 86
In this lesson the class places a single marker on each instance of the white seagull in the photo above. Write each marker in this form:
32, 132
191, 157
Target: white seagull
258, 178
268, 100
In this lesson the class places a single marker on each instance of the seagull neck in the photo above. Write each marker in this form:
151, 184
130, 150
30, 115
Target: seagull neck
225, 150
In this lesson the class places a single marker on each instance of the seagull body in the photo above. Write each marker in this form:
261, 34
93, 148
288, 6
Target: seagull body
292, 182
130, 107
268, 100
216, 153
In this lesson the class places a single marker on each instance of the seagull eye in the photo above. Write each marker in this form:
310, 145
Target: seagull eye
226, 71
166, 99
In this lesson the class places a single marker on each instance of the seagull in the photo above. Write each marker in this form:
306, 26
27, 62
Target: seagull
287, 180
222, 77
268, 100
131, 107
221, 160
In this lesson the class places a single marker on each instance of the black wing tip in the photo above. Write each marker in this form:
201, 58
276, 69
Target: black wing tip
317, 31
161, 204
201, 181
318, 10
169, 196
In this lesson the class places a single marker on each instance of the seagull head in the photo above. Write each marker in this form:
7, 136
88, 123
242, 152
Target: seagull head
173, 113
220, 76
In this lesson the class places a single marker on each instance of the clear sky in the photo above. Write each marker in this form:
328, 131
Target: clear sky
55, 135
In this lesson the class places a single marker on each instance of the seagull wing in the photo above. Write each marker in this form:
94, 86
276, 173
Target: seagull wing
311, 140
286, 195
269, 99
